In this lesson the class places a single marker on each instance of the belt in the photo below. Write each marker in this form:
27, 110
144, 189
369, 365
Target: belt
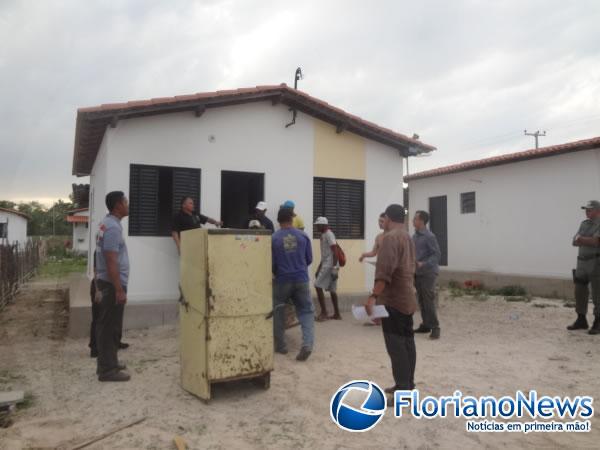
588, 257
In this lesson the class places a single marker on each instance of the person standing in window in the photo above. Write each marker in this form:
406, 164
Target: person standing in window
187, 219
260, 215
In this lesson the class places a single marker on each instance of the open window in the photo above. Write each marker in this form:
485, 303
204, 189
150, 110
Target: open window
240, 192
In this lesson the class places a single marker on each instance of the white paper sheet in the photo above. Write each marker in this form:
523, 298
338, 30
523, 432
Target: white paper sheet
360, 313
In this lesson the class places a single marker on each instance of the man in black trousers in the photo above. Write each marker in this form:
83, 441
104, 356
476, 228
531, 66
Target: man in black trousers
95, 310
112, 275
394, 288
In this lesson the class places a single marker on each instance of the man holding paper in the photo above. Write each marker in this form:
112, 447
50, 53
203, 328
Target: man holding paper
394, 288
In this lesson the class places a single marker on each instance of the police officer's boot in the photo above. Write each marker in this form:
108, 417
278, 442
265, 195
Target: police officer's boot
596, 326
580, 324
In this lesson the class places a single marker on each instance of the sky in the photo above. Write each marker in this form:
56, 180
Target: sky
467, 76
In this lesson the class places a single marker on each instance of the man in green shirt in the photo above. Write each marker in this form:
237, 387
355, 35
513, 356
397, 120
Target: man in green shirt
588, 268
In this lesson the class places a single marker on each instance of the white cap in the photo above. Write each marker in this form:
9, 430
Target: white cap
321, 221
261, 206
254, 224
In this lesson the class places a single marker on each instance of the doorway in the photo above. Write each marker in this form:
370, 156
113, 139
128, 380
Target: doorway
438, 217
240, 192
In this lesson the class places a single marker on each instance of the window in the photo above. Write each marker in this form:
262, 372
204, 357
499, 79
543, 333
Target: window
3, 230
155, 194
343, 203
467, 202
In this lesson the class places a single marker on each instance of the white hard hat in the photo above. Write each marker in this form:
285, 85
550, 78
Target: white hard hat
321, 221
262, 206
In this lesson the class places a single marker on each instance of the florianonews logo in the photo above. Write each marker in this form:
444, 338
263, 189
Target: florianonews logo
357, 406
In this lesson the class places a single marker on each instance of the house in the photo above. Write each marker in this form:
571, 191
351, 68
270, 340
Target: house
80, 220
13, 227
510, 219
228, 150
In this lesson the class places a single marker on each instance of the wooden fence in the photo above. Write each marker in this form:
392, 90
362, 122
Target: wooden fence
18, 262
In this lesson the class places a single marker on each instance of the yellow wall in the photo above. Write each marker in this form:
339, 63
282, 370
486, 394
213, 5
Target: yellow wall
338, 155
341, 156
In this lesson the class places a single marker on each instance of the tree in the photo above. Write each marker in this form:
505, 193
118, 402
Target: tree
43, 221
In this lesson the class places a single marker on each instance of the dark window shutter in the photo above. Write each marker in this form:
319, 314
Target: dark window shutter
143, 200
186, 183
343, 203
467, 202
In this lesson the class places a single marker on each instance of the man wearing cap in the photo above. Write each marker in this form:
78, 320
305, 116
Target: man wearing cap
394, 287
588, 268
327, 273
260, 215
298, 221
291, 255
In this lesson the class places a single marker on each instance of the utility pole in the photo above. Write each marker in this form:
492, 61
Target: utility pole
536, 135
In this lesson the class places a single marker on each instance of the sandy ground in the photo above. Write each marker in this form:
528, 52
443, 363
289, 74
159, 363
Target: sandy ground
489, 347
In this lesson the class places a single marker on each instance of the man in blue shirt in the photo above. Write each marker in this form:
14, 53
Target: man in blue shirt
112, 275
428, 257
292, 254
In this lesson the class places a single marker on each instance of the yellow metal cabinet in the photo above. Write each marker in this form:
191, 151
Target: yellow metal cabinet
226, 332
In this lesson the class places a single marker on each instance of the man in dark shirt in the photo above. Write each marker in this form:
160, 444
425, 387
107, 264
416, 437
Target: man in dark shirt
260, 214
187, 219
428, 257
394, 288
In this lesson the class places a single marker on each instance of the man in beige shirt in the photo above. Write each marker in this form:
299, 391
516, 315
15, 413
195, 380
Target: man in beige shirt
394, 288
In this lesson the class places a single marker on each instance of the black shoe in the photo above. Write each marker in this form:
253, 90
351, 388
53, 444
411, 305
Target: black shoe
115, 376
303, 354
580, 324
596, 326
422, 329
281, 351
435, 333
123, 345
390, 390
93, 353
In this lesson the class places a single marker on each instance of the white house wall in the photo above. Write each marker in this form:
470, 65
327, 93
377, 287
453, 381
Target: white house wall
383, 187
526, 213
17, 227
250, 138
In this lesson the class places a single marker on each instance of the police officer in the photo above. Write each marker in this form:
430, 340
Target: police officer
588, 268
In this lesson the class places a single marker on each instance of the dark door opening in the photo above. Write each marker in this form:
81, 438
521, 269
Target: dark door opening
240, 192
438, 216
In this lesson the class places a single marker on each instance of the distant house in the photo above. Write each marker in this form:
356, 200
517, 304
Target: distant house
510, 219
80, 220
13, 227
228, 150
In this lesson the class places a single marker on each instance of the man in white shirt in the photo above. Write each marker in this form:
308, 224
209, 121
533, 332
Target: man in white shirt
327, 273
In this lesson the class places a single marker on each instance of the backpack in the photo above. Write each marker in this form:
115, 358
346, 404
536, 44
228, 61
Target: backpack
341, 256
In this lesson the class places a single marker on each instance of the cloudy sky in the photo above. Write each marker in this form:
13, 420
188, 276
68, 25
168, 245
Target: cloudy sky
467, 76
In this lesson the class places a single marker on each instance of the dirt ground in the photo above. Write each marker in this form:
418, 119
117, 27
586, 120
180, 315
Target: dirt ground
488, 347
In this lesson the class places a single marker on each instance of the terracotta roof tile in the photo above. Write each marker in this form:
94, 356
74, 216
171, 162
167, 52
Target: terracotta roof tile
90, 120
585, 144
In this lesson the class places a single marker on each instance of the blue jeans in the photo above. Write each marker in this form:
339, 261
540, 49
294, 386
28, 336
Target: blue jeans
299, 294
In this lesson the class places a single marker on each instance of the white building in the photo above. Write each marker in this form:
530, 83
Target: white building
510, 219
228, 150
13, 227
81, 233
